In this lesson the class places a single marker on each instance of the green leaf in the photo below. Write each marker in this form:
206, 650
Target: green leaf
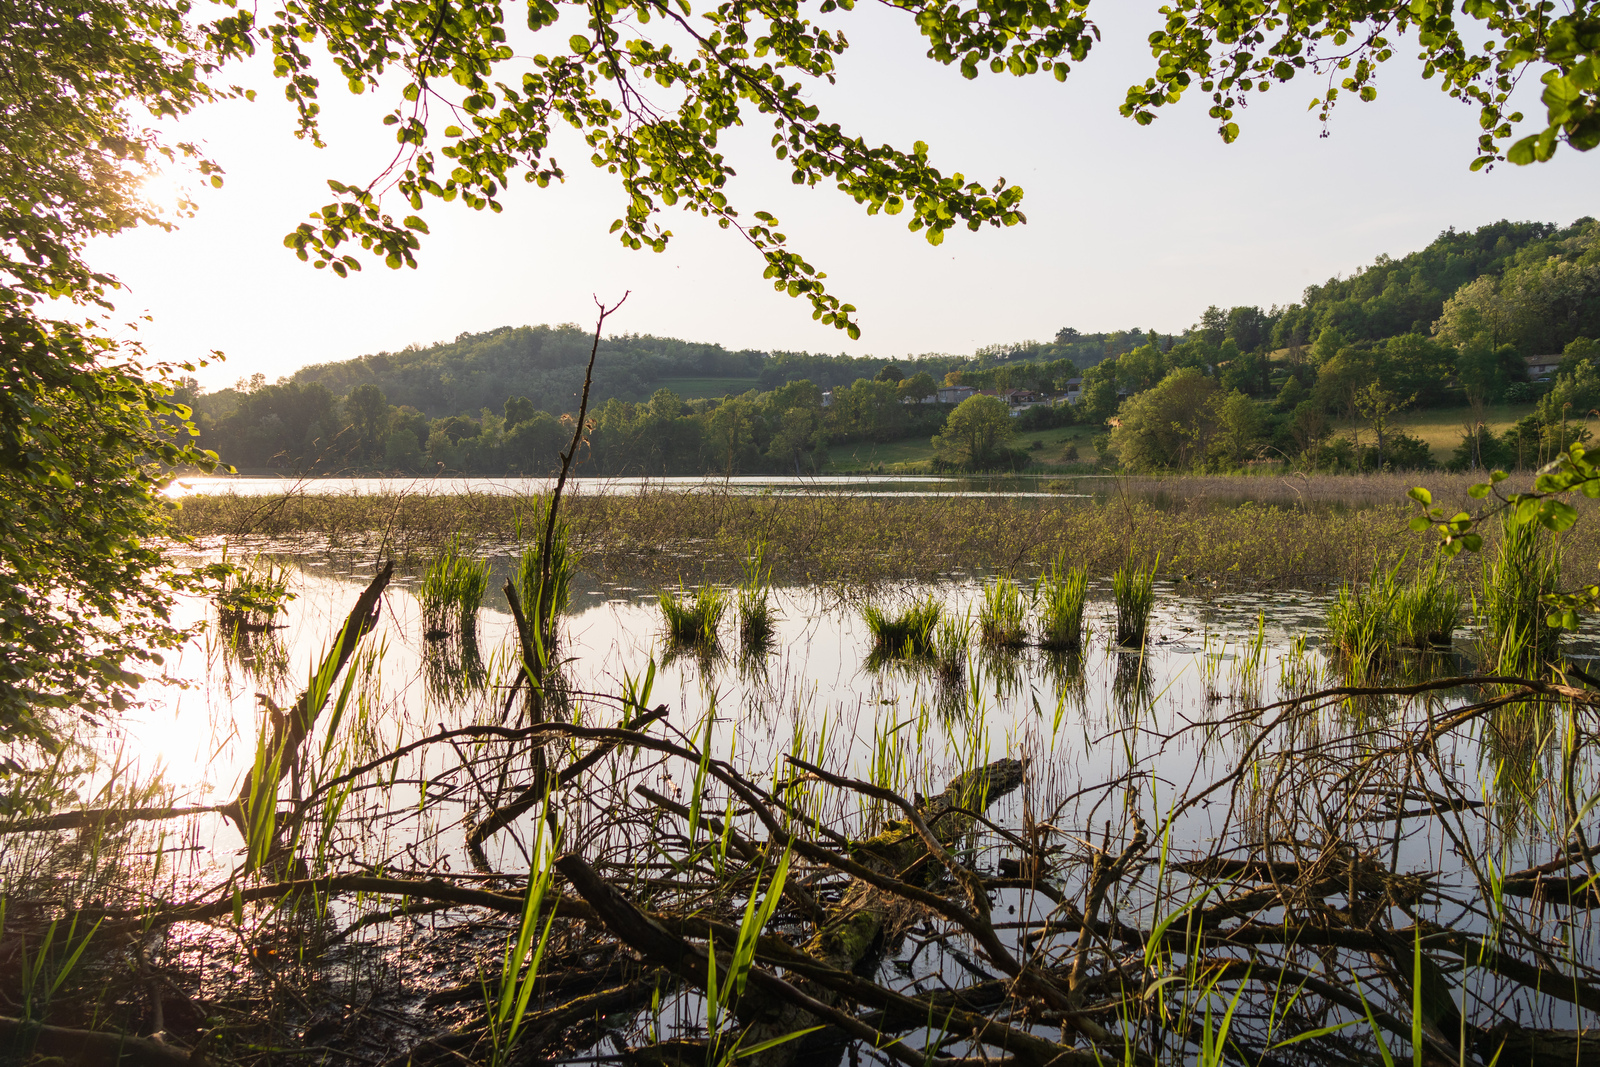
1421, 496
578, 43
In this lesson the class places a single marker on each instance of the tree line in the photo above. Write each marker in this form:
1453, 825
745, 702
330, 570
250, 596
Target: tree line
1323, 383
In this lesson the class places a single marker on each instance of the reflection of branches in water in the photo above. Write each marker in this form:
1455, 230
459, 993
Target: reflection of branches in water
1286, 854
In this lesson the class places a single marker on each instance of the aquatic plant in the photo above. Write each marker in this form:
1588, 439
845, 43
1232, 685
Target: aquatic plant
950, 639
908, 632
544, 590
1133, 590
252, 596
1515, 637
1426, 610
692, 621
452, 590
1061, 597
1359, 621
1001, 615
756, 617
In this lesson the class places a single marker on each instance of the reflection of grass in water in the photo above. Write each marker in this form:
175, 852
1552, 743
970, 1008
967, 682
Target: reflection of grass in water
1130, 685
1516, 741
453, 668
259, 654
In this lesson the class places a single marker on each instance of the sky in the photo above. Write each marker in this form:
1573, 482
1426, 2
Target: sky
1128, 226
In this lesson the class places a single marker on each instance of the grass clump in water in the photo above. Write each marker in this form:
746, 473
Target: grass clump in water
1516, 638
251, 597
544, 592
1133, 589
1000, 618
756, 617
692, 621
1360, 623
452, 589
950, 638
1061, 597
1426, 611
910, 633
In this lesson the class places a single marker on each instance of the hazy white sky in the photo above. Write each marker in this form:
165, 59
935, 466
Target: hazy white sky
1128, 226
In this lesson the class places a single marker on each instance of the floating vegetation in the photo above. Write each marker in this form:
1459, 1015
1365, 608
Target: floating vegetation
692, 620
908, 633
1061, 597
1002, 616
452, 590
1133, 590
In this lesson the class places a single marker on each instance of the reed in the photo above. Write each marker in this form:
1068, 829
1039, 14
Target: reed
1001, 616
252, 596
1062, 595
1515, 638
756, 617
545, 591
1133, 590
908, 633
452, 590
692, 620
950, 640
1426, 610
1360, 622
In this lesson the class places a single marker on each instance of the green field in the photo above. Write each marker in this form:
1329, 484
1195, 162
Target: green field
701, 388
1442, 428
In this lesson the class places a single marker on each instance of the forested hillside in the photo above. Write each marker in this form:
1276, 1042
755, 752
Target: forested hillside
1323, 383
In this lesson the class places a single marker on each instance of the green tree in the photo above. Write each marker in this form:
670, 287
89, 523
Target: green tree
1241, 424
1236, 51
976, 434
368, 411
1168, 427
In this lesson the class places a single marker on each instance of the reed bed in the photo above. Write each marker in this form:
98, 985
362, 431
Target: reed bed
756, 616
658, 535
1524, 567
252, 595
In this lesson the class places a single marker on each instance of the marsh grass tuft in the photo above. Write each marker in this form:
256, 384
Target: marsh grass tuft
452, 590
1426, 610
1133, 590
1001, 616
756, 617
692, 620
950, 639
1360, 626
1061, 597
544, 599
1515, 638
251, 597
909, 633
